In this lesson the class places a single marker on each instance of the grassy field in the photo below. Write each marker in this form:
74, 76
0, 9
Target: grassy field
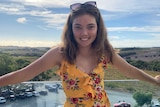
130, 86
113, 73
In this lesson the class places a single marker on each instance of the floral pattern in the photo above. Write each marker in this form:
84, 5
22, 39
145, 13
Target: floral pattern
93, 95
77, 102
71, 83
103, 60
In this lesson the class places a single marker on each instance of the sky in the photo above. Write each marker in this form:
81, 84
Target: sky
39, 23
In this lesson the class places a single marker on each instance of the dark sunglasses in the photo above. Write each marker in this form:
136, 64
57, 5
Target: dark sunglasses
75, 6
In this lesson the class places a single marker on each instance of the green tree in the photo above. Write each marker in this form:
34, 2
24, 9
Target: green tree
22, 63
148, 98
141, 64
7, 64
154, 65
142, 98
159, 100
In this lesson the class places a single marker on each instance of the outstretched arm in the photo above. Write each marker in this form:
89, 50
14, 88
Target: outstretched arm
133, 72
47, 61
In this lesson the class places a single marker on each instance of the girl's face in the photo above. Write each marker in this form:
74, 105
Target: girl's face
84, 30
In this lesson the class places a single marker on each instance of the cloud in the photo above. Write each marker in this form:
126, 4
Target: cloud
136, 29
113, 37
42, 9
41, 27
12, 8
137, 43
22, 20
156, 36
42, 14
129, 5
56, 20
109, 5
122, 41
29, 43
158, 14
44, 3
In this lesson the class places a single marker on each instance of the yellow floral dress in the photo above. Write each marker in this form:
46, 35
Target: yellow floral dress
82, 89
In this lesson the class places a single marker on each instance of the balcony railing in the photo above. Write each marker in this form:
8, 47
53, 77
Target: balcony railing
50, 93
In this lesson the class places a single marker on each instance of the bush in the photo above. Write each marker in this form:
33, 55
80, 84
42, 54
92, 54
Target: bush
142, 98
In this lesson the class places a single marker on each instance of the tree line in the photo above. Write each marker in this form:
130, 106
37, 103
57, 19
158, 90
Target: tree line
9, 63
151, 66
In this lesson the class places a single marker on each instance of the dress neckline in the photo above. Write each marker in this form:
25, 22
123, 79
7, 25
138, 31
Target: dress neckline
81, 71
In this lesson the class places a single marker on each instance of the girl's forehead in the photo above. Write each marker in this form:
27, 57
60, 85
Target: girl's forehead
84, 18
84, 15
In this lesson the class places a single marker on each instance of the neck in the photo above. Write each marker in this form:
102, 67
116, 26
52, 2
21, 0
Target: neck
85, 51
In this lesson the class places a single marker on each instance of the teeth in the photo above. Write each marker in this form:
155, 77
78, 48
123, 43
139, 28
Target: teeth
84, 39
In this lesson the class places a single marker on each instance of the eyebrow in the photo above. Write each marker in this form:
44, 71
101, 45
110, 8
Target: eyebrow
92, 24
77, 24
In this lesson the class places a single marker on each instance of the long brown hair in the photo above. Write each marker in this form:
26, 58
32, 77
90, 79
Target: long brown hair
101, 44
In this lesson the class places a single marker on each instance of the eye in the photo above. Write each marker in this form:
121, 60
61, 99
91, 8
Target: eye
77, 27
91, 26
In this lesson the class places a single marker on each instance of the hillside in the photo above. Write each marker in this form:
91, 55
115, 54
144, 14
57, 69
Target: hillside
27, 53
23, 51
144, 54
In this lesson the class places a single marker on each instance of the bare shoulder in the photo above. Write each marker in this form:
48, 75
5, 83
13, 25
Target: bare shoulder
53, 56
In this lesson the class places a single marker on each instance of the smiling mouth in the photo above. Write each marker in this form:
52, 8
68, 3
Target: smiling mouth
84, 39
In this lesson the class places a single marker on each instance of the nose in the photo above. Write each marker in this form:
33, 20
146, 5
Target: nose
84, 31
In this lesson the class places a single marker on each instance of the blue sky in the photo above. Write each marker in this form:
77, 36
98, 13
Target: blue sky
39, 23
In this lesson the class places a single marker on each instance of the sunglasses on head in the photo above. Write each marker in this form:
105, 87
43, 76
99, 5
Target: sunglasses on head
75, 6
